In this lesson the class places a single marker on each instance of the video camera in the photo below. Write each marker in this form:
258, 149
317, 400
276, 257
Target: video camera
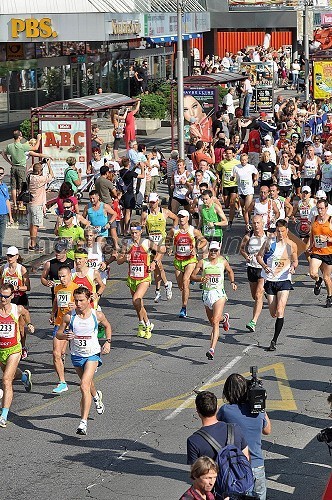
256, 393
325, 436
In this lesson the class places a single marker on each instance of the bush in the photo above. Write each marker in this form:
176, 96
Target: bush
25, 128
222, 92
153, 106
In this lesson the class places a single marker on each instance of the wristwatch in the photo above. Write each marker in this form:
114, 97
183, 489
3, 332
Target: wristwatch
108, 340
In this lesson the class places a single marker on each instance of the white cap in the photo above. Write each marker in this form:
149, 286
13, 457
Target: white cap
184, 213
12, 251
267, 138
321, 194
306, 189
153, 197
214, 244
327, 153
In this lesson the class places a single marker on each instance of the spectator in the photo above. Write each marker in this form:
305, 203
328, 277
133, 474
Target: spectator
171, 168
228, 101
202, 153
37, 186
96, 141
247, 90
155, 170
5, 209
73, 175
104, 185
141, 78
254, 145
132, 154
237, 411
266, 125
66, 193
130, 129
204, 474
127, 177
15, 155
95, 163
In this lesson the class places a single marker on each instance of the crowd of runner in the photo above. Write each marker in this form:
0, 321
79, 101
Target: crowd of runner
269, 172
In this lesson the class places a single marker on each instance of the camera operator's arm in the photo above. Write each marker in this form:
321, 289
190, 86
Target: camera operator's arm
268, 427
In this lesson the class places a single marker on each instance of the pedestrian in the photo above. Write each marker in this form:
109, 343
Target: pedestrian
37, 183
247, 91
203, 473
96, 140
278, 258
5, 209
130, 128
236, 410
80, 327
228, 101
15, 155
73, 175
214, 296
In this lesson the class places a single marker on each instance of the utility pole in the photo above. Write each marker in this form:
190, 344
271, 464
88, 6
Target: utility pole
307, 4
180, 80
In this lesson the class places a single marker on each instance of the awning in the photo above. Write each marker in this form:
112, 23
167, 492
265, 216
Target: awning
165, 39
213, 79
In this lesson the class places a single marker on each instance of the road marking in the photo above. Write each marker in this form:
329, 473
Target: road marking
285, 488
187, 400
215, 377
102, 376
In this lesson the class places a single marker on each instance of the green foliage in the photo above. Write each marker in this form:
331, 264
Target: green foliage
222, 92
25, 128
153, 106
53, 81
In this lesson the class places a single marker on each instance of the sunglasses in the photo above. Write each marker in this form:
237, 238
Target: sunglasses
213, 250
2, 296
10, 255
2, 173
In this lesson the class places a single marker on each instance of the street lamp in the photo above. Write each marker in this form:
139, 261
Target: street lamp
180, 90
307, 4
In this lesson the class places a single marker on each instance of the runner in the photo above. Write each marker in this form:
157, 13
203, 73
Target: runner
265, 207
98, 214
69, 232
49, 275
310, 168
284, 206
285, 173
211, 218
88, 277
85, 350
302, 210
17, 275
136, 252
326, 175
246, 176
278, 258
185, 239
63, 303
154, 220
214, 296
250, 246
229, 186
98, 259
11, 347
179, 184
321, 250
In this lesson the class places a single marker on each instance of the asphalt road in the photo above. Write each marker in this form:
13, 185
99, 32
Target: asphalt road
137, 449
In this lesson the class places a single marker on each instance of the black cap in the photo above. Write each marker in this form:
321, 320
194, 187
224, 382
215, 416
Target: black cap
60, 246
68, 214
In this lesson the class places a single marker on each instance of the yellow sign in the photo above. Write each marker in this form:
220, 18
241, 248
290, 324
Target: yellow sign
32, 28
287, 401
126, 27
322, 79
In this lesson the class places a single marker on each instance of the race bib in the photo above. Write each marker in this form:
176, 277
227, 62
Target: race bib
279, 264
136, 270
93, 263
325, 186
266, 176
245, 183
82, 344
7, 330
184, 250
63, 298
227, 176
310, 172
284, 181
214, 280
304, 212
319, 243
156, 238
208, 231
12, 281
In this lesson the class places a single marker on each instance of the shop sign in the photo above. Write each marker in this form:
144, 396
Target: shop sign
125, 27
32, 28
63, 138
322, 79
264, 99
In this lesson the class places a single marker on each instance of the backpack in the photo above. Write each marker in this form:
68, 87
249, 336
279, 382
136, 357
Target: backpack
235, 473
120, 184
25, 196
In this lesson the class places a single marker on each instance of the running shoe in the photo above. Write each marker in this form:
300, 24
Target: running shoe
61, 387
99, 403
225, 323
183, 312
328, 301
3, 422
251, 326
82, 428
157, 296
141, 330
318, 286
210, 354
26, 380
168, 290
273, 346
148, 331
25, 352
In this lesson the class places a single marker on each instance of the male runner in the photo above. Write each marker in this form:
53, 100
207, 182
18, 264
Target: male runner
246, 176
278, 258
63, 303
321, 250
49, 275
250, 246
11, 347
86, 276
211, 218
82, 324
265, 207
229, 185
214, 296
186, 240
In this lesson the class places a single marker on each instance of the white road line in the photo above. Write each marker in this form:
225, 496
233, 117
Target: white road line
215, 377
285, 488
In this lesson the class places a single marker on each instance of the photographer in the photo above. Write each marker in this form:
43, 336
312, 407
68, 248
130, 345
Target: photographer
237, 410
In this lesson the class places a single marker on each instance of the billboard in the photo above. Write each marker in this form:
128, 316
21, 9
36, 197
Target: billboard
63, 138
246, 5
200, 106
322, 79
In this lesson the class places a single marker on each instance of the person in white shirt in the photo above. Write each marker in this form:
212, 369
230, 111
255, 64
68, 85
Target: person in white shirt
320, 195
228, 101
295, 70
246, 177
248, 92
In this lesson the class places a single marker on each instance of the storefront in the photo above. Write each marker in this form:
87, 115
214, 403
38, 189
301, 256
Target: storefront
43, 57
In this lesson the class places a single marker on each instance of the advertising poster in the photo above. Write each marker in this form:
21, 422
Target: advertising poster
63, 138
264, 99
322, 79
200, 106
262, 4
